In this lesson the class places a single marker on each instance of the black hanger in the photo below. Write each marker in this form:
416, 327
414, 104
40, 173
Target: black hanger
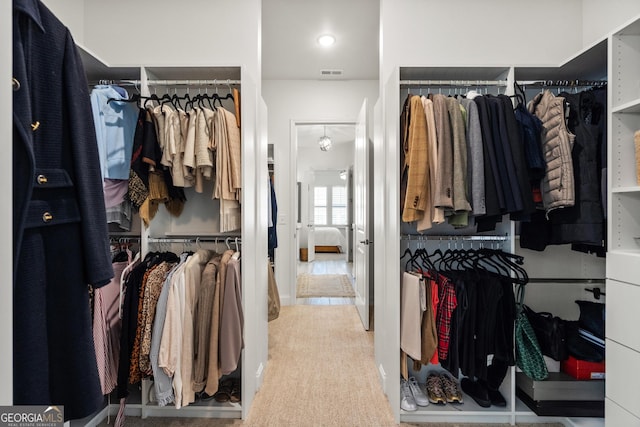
486, 261
222, 98
506, 263
427, 262
134, 98
519, 97
208, 98
519, 90
175, 100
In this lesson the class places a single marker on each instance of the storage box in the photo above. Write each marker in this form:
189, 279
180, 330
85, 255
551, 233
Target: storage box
582, 369
304, 254
560, 387
563, 408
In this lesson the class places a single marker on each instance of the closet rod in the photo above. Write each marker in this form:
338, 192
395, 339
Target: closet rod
114, 82
123, 238
566, 280
453, 237
459, 83
190, 82
208, 239
193, 82
562, 83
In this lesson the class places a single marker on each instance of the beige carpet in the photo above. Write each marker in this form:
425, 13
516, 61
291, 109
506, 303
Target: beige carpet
324, 285
321, 372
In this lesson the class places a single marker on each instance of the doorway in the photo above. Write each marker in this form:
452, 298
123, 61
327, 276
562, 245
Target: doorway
324, 153
351, 164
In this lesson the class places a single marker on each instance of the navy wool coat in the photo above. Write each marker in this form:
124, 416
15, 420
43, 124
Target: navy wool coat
60, 233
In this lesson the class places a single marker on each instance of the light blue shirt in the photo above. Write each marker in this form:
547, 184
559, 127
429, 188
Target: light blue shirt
115, 124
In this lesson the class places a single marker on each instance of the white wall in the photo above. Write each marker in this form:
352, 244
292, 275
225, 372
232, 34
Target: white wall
300, 100
6, 258
599, 18
329, 177
339, 157
471, 32
197, 32
71, 13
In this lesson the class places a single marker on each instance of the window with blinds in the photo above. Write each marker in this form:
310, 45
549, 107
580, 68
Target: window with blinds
320, 205
338, 205
330, 205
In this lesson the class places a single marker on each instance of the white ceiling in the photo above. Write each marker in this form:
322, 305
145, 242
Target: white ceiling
290, 29
308, 135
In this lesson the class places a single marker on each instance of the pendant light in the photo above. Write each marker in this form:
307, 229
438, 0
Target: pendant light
325, 141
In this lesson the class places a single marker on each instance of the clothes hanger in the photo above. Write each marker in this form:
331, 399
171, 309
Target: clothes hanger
427, 263
222, 98
175, 100
133, 98
518, 97
406, 252
514, 263
486, 261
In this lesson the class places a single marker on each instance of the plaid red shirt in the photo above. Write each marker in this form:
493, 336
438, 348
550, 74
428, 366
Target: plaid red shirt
446, 304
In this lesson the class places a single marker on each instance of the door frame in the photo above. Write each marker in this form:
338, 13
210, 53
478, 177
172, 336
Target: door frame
293, 173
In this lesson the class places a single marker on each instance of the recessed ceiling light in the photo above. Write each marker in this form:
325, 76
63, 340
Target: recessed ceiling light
326, 40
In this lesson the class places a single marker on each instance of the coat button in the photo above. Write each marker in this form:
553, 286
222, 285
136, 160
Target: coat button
16, 84
46, 217
42, 179
35, 126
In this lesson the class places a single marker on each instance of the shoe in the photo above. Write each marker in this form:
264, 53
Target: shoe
235, 395
434, 389
451, 388
407, 402
224, 391
418, 395
496, 398
476, 391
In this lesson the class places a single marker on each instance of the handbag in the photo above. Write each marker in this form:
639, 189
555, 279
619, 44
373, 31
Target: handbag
551, 332
273, 295
592, 316
528, 353
592, 320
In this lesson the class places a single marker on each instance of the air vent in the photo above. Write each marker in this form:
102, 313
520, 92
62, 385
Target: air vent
329, 74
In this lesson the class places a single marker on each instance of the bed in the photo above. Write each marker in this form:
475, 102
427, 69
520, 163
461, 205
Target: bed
329, 240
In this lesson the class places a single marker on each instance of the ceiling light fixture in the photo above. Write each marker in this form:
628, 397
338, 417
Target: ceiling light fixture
325, 141
326, 40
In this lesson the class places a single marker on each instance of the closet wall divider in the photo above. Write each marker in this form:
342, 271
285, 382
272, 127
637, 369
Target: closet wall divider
587, 65
199, 225
623, 258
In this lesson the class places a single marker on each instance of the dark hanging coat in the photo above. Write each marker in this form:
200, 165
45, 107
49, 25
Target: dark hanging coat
60, 234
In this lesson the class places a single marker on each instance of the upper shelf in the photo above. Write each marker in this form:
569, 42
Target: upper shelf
628, 107
453, 73
589, 64
95, 69
631, 29
193, 73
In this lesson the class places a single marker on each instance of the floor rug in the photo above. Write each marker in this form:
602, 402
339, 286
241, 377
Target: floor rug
324, 285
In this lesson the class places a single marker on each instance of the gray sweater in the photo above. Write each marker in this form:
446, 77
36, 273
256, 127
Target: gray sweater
475, 159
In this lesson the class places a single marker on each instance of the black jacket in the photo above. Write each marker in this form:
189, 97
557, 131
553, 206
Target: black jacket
583, 222
60, 234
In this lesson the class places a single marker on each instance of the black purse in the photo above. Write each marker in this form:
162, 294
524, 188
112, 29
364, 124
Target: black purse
551, 332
